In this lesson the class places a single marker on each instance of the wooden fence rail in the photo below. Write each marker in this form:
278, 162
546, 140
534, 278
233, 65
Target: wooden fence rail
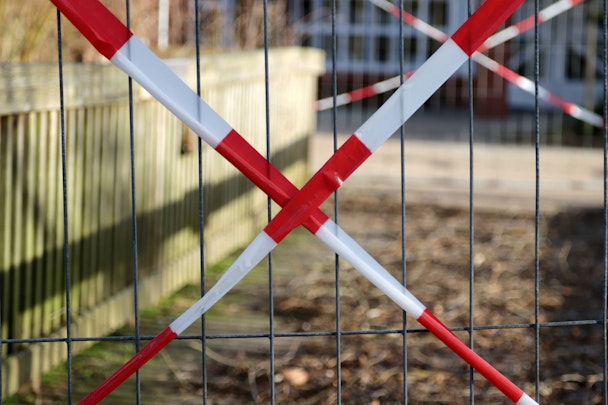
98, 167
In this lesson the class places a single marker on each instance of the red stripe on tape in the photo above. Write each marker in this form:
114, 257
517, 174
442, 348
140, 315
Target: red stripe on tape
136, 362
407, 17
263, 174
364, 92
327, 180
488, 17
528, 23
434, 325
508, 74
103, 30
566, 106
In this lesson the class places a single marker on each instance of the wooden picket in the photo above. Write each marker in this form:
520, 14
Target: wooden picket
101, 255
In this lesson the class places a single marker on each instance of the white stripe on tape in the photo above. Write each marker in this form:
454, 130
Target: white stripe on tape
251, 256
555, 9
153, 75
386, 85
501, 37
346, 247
411, 95
526, 400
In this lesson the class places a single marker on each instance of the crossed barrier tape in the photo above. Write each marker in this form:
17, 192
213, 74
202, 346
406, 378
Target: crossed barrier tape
506, 34
117, 43
523, 83
500, 37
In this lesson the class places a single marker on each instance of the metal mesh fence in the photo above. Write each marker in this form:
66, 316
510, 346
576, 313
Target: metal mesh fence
270, 357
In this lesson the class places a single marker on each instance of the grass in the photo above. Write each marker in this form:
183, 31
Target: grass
108, 355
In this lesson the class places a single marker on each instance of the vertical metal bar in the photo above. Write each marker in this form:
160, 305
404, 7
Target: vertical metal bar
471, 217
334, 89
537, 200
201, 203
403, 208
64, 190
271, 336
134, 240
605, 276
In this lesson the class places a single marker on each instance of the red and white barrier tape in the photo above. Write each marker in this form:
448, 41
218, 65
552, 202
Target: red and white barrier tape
514, 30
500, 37
362, 93
523, 83
527, 85
375, 131
132, 56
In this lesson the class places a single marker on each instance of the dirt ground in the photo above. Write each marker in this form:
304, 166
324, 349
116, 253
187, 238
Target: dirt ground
372, 347
437, 257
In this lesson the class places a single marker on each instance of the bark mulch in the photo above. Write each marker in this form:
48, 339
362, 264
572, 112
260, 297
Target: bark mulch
372, 348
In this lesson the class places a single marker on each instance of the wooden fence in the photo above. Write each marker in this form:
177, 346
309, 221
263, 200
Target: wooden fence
101, 262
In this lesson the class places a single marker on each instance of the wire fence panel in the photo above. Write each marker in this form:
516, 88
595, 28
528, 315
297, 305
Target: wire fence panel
502, 235
99, 232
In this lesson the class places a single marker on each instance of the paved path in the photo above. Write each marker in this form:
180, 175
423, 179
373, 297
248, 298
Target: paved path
504, 176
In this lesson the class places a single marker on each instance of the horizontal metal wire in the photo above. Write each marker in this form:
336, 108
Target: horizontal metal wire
338, 332
557, 324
